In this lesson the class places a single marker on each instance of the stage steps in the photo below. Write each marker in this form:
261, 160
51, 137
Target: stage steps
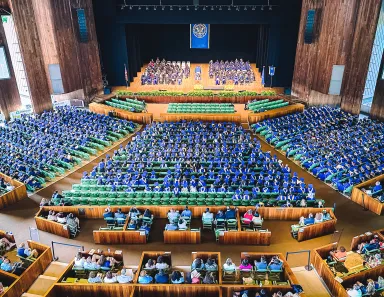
44, 282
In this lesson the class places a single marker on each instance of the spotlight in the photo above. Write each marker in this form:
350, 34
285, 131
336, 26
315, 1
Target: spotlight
245, 8
154, 7
237, 8
220, 8
196, 7
204, 8
139, 8
212, 8
162, 7
229, 7
270, 7
130, 7
262, 7
146, 8
179, 7
170, 8
187, 7
253, 7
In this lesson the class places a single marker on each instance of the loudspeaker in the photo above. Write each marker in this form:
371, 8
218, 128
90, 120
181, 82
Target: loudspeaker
196, 2
83, 31
309, 26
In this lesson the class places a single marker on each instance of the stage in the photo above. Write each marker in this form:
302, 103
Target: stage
189, 83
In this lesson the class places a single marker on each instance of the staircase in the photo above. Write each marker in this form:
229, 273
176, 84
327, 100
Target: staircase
43, 283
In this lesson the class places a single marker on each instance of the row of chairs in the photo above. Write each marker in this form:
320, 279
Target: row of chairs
138, 105
200, 108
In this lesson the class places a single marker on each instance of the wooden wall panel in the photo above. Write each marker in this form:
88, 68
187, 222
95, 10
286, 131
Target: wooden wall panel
17, 194
356, 68
344, 33
31, 49
377, 109
9, 94
182, 237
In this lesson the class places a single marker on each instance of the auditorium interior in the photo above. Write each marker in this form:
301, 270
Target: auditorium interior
195, 148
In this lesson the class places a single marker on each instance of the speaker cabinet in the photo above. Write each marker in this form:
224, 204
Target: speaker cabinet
309, 26
83, 30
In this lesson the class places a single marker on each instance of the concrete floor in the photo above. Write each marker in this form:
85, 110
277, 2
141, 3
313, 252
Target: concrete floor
352, 221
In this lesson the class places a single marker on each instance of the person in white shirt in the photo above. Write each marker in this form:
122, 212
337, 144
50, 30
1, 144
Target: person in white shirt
79, 261
229, 265
355, 291
161, 264
182, 224
110, 278
52, 216
61, 218
173, 215
207, 215
124, 277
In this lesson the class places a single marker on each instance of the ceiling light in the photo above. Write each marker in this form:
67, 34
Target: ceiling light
245, 8
146, 8
262, 7
196, 7
253, 7
220, 8
187, 7
154, 7
162, 7
179, 7
139, 7
270, 7
212, 8
204, 8
229, 7
170, 8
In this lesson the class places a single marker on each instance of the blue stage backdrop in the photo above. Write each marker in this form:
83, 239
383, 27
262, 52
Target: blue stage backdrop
199, 36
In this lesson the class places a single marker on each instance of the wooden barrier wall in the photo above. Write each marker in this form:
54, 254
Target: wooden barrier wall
364, 237
317, 230
205, 255
160, 212
275, 113
142, 117
365, 200
51, 226
17, 194
10, 237
177, 291
220, 117
28, 277
182, 237
119, 237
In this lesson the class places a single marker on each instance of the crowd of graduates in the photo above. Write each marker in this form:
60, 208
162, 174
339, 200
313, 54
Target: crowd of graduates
36, 148
165, 72
197, 157
237, 72
335, 146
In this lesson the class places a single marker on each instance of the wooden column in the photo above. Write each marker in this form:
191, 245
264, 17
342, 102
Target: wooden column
32, 52
343, 35
9, 94
377, 108
356, 68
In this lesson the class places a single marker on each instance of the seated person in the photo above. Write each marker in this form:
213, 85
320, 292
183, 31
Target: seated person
182, 224
108, 213
207, 215
6, 265
91, 265
125, 277
61, 218
94, 277
20, 250
132, 224
161, 277
5, 244
150, 264
262, 265
245, 265
134, 212
79, 261
276, 264
110, 278
377, 187
229, 265
211, 264
367, 247
119, 214
195, 277
161, 264
173, 215
248, 217
230, 213
2, 288
339, 254
171, 227
374, 261
310, 220
52, 216
144, 278
209, 278
198, 264
73, 224
319, 217
326, 216
147, 214
177, 277
355, 291
186, 212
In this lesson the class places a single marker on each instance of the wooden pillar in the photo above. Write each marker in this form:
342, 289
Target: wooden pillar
356, 68
377, 108
32, 52
9, 94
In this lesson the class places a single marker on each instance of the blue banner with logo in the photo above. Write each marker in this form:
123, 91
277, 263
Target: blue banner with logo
200, 36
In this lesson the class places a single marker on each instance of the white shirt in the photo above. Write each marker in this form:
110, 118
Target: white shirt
79, 263
229, 267
110, 280
62, 220
354, 293
183, 225
161, 266
207, 216
123, 279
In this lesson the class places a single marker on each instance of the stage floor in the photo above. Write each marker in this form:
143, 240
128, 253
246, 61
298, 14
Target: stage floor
189, 83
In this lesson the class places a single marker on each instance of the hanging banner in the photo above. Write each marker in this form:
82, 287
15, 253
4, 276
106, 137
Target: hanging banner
199, 36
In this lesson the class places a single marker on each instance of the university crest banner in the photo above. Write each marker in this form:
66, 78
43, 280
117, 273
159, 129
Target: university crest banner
199, 36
